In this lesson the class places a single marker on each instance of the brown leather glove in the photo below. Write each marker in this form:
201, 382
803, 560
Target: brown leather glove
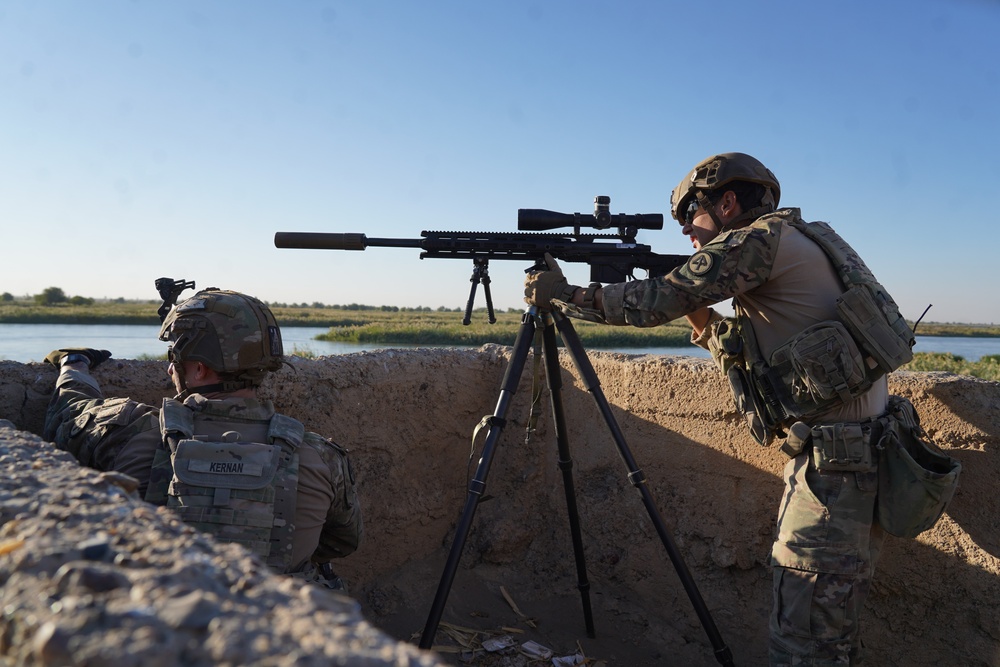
541, 286
92, 357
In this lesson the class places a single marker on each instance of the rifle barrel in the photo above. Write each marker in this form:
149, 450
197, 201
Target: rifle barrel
330, 241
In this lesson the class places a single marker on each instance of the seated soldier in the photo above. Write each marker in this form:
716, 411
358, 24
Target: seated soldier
215, 453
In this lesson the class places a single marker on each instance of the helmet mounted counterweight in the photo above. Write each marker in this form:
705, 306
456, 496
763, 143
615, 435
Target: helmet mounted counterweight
234, 334
713, 174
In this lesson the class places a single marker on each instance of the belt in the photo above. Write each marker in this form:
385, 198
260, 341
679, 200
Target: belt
800, 434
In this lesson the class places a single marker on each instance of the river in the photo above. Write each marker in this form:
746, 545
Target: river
31, 342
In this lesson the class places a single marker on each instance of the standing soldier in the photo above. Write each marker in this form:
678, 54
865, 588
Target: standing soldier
215, 453
806, 357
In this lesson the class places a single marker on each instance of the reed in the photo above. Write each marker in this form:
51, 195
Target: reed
987, 368
424, 326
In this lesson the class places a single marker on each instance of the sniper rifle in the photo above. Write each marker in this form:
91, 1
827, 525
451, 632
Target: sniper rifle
612, 253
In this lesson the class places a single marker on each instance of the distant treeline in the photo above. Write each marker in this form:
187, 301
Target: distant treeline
54, 306
422, 325
381, 309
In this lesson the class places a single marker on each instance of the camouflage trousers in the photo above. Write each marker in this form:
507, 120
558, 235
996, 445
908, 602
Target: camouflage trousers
824, 558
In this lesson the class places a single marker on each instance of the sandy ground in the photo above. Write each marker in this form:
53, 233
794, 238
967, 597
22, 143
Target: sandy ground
408, 418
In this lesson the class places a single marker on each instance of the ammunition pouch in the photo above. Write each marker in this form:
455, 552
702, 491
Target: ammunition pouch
842, 447
845, 447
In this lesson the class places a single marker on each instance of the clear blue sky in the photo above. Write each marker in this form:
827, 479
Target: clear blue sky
141, 139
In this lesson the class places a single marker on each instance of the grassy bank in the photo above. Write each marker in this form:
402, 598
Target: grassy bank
987, 368
446, 328
423, 326
394, 320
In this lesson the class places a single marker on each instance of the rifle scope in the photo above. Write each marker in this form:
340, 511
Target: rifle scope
539, 219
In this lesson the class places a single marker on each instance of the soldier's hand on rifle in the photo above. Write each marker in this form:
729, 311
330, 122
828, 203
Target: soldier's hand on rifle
541, 286
69, 355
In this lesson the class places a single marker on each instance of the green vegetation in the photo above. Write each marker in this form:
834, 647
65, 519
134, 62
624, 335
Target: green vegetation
443, 327
40, 309
970, 330
987, 368
53, 307
355, 323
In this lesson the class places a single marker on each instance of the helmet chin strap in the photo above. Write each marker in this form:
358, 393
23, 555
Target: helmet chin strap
224, 386
710, 209
181, 382
767, 206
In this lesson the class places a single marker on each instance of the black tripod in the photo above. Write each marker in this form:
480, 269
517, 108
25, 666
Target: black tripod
496, 423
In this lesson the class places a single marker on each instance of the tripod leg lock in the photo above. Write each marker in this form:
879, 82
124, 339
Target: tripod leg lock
636, 478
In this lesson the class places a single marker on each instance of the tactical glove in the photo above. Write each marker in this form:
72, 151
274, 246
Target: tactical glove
92, 357
541, 286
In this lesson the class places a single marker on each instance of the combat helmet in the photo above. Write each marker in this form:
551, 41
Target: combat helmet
234, 334
717, 171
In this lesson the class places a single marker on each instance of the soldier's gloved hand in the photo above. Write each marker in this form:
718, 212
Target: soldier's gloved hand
89, 355
541, 286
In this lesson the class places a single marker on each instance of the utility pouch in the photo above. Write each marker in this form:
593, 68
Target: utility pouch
725, 344
750, 404
842, 447
916, 478
882, 330
820, 367
799, 437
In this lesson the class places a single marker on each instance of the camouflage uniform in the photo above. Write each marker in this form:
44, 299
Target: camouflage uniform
123, 435
828, 540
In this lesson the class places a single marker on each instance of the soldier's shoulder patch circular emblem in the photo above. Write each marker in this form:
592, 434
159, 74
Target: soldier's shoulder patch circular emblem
700, 263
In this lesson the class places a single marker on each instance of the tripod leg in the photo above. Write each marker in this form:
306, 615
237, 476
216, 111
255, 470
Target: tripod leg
553, 375
522, 345
579, 356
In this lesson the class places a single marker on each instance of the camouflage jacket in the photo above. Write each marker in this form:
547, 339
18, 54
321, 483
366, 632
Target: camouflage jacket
778, 278
123, 435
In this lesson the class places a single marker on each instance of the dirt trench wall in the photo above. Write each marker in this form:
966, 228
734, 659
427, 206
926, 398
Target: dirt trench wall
408, 416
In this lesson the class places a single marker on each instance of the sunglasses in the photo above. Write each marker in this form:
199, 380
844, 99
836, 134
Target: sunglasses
692, 208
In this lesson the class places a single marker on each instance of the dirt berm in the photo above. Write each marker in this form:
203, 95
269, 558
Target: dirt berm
87, 570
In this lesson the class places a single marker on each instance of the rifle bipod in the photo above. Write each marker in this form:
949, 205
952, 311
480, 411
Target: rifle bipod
495, 424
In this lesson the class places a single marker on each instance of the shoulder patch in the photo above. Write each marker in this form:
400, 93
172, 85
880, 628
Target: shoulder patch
700, 263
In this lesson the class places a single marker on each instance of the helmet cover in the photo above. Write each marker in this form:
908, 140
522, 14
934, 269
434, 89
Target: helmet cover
234, 334
715, 172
